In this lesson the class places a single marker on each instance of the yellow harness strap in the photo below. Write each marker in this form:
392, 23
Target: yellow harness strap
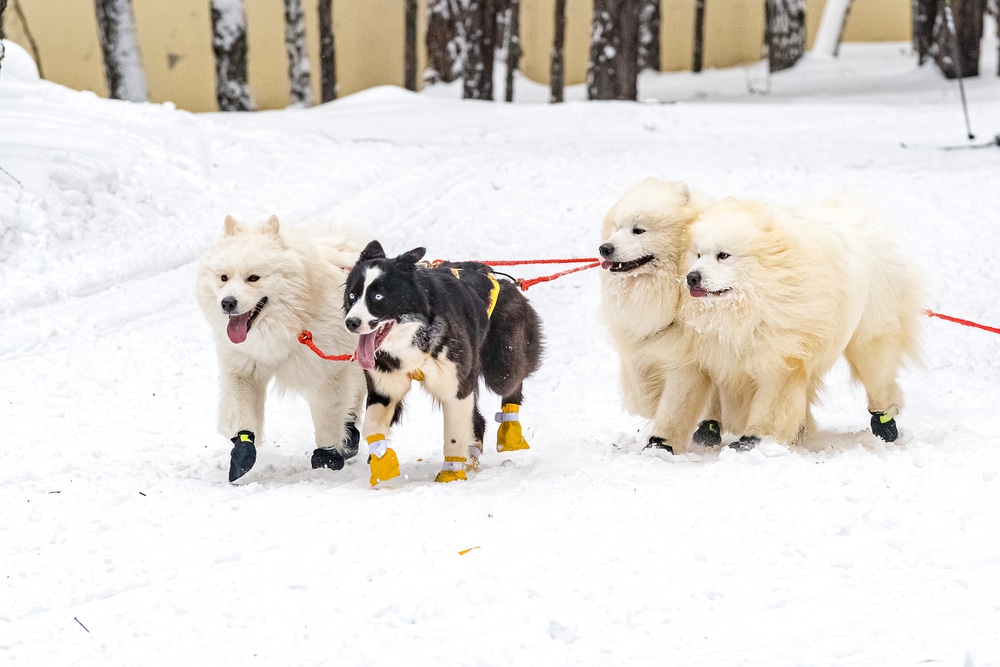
494, 290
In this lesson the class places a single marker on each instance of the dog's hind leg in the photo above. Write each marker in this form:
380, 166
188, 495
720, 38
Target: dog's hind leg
459, 434
875, 363
510, 436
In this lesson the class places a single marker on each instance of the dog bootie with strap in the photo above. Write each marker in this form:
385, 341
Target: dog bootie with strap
243, 455
453, 470
381, 459
509, 436
884, 425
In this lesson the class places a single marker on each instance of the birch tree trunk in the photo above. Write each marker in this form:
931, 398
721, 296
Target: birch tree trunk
299, 71
229, 41
784, 32
122, 68
614, 50
831, 28
557, 70
327, 53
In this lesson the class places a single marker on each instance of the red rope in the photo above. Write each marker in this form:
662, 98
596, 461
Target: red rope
525, 284
931, 313
306, 338
518, 262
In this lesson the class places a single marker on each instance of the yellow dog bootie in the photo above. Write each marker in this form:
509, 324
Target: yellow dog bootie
509, 435
453, 470
381, 459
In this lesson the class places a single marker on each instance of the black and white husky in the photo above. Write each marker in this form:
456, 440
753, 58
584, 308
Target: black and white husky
448, 326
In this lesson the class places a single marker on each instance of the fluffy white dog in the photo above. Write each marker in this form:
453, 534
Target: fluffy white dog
644, 242
777, 295
259, 287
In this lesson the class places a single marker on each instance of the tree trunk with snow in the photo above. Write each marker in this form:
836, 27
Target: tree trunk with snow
512, 45
649, 35
698, 52
445, 41
784, 32
122, 68
558, 67
479, 19
3, 8
831, 28
229, 42
961, 20
327, 53
924, 17
614, 50
299, 71
410, 51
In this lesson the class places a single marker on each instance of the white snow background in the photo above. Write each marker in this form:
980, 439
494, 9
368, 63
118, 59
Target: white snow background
122, 543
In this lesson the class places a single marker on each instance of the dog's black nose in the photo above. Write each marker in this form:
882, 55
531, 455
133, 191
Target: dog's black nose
352, 323
606, 249
694, 279
229, 304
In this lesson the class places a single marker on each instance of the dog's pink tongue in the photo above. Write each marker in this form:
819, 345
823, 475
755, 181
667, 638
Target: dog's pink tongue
366, 351
237, 328
606, 264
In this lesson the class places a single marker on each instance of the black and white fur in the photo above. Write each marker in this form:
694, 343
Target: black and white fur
415, 318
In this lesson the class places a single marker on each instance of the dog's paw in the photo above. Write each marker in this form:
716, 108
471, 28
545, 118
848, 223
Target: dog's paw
351, 442
884, 426
745, 443
383, 468
328, 458
243, 455
657, 444
709, 434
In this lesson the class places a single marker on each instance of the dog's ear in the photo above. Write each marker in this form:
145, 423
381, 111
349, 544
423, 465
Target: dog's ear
410, 258
272, 226
233, 226
372, 251
684, 191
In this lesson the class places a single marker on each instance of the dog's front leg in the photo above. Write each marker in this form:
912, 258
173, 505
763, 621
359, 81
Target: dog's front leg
241, 418
384, 408
685, 392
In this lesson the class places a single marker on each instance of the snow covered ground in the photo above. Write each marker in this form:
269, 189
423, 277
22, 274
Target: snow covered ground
122, 543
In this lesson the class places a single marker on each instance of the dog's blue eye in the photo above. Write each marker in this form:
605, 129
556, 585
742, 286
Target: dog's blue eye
351, 297
253, 279
637, 230
377, 297
722, 255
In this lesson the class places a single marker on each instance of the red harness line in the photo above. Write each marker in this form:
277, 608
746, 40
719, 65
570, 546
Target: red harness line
956, 320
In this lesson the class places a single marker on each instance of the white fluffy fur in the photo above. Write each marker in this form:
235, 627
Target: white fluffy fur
790, 291
640, 306
303, 278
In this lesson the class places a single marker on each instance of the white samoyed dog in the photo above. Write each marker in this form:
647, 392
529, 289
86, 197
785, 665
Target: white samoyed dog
644, 243
259, 288
777, 295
